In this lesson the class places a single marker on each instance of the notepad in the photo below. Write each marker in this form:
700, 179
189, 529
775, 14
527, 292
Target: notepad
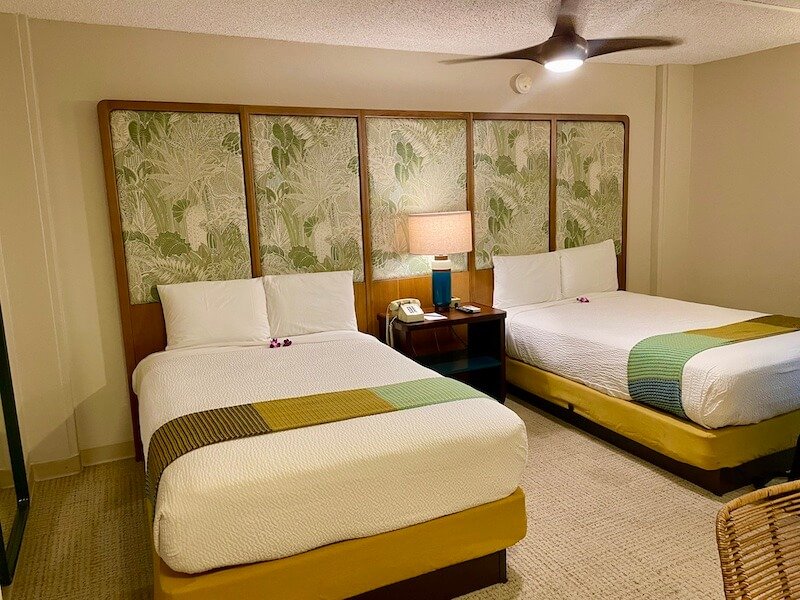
434, 317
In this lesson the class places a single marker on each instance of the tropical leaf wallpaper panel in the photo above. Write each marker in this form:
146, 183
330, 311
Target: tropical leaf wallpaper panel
415, 166
308, 194
180, 182
589, 189
512, 189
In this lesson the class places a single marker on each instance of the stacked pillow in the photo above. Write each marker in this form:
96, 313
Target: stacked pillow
536, 278
251, 311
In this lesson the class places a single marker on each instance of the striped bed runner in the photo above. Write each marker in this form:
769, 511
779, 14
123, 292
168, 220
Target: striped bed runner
655, 365
190, 432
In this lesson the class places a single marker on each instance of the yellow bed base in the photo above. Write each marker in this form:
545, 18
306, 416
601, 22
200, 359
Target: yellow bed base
683, 441
352, 567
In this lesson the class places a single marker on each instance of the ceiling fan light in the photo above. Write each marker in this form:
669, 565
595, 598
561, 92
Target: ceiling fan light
563, 65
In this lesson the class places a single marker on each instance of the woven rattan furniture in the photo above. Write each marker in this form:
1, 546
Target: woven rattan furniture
758, 536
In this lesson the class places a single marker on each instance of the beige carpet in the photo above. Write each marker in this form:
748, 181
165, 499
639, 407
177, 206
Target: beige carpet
601, 524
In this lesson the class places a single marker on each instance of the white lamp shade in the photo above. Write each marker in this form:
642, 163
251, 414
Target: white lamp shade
440, 233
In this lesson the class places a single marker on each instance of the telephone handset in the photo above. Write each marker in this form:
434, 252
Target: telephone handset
407, 310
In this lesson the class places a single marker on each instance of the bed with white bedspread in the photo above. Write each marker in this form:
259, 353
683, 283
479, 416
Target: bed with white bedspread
277, 495
590, 342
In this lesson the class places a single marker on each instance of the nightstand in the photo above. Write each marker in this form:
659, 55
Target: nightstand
468, 347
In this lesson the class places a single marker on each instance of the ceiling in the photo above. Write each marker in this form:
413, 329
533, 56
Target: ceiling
711, 29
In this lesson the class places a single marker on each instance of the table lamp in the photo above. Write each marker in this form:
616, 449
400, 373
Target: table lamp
440, 234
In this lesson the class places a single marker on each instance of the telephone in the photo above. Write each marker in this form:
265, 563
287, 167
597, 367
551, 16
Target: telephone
407, 310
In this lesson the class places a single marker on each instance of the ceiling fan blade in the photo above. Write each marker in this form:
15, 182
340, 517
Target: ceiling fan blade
565, 25
531, 53
565, 21
609, 45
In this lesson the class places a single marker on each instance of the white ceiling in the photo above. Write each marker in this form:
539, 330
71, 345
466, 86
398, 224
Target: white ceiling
711, 29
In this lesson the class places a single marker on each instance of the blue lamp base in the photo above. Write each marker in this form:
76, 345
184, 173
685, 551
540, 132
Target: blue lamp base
441, 282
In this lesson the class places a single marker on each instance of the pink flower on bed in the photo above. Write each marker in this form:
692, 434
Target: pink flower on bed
274, 343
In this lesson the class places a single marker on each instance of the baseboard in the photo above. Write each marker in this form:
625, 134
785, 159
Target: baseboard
104, 454
56, 468
73, 465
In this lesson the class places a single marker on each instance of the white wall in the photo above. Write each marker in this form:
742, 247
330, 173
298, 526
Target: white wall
76, 65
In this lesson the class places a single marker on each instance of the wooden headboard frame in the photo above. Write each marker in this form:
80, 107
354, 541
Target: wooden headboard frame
482, 281
143, 328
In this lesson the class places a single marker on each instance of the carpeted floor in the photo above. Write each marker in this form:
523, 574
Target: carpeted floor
8, 509
601, 524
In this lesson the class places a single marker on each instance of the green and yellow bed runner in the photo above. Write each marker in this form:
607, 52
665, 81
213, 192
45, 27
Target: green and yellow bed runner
190, 432
655, 365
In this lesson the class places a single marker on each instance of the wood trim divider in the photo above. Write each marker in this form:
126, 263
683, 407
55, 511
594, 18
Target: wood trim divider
104, 116
501, 116
203, 107
415, 114
250, 193
299, 111
622, 267
471, 200
143, 332
366, 236
551, 229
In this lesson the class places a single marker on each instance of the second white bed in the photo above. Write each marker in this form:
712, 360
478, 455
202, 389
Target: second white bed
590, 342
283, 493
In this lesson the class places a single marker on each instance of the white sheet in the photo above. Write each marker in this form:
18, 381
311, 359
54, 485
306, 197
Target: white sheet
279, 494
741, 383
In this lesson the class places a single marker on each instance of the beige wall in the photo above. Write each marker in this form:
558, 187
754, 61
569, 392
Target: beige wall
28, 283
77, 65
672, 168
744, 215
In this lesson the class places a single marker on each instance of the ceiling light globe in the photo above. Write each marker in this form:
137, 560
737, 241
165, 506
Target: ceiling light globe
563, 65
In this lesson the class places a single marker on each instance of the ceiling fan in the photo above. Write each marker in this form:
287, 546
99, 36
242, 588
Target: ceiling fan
566, 50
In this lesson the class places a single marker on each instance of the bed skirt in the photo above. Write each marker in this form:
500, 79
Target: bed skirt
353, 567
678, 439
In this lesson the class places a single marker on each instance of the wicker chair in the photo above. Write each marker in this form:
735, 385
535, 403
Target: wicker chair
758, 536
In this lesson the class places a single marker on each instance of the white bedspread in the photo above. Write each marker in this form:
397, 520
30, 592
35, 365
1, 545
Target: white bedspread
280, 494
741, 383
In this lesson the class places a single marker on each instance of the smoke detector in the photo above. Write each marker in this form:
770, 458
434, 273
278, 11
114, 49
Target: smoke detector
522, 83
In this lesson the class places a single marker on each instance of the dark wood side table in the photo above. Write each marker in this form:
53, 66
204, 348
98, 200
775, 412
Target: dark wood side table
468, 347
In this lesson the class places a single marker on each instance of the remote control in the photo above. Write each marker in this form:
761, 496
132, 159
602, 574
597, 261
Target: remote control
469, 309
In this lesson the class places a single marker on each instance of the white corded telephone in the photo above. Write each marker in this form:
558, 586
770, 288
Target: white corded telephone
407, 310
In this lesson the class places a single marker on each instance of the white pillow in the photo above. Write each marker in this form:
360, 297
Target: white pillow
208, 313
528, 279
589, 269
310, 303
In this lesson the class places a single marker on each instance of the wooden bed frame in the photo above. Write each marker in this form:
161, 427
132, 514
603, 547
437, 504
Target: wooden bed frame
718, 460
436, 560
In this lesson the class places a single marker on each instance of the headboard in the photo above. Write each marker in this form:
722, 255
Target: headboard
221, 191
